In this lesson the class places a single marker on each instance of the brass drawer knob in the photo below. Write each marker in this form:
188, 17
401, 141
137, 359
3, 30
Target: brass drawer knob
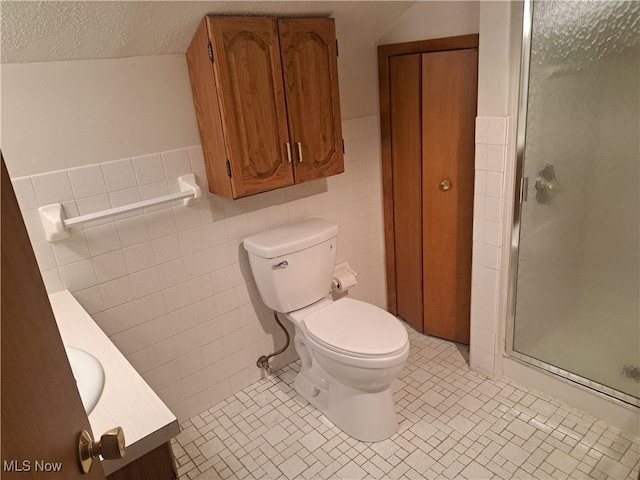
445, 185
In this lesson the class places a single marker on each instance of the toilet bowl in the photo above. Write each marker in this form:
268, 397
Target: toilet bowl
350, 351
348, 366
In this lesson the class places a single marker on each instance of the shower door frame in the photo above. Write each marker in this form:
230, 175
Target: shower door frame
519, 191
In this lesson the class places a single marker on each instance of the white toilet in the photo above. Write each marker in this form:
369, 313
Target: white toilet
350, 350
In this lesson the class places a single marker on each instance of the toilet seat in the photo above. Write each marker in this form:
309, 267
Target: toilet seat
356, 329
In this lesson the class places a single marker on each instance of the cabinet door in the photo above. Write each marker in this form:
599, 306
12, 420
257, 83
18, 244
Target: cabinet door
249, 77
311, 83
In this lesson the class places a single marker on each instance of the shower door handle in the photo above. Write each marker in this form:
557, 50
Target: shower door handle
546, 185
542, 184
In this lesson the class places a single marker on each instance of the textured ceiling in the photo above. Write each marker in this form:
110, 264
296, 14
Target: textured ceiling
37, 31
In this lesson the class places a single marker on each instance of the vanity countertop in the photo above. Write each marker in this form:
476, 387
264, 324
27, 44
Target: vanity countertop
126, 401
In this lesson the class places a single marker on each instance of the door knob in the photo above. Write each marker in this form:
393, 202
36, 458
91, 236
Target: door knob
445, 185
111, 446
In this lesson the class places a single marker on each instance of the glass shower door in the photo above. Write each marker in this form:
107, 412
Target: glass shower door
577, 309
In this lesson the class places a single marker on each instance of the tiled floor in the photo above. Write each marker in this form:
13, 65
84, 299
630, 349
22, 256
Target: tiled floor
454, 423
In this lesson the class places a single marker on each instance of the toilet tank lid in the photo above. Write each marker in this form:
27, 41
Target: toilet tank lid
290, 238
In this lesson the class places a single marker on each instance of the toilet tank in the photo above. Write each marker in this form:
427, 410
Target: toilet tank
293, 264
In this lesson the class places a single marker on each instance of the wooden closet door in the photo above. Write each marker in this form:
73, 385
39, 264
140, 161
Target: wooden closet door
248, 72
405, 85
311, 82
449, 94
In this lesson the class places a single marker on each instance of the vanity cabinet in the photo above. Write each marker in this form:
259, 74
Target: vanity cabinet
266, 97
158, 464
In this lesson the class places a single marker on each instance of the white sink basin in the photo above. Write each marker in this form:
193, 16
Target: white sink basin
89, 376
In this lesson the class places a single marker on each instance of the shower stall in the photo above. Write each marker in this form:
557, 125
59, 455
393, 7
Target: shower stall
575, 308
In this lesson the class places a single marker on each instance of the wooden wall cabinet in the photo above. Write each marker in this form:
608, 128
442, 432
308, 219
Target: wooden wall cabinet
267, 104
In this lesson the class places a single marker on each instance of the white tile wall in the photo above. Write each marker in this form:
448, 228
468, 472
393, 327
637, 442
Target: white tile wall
172, 286
489, 246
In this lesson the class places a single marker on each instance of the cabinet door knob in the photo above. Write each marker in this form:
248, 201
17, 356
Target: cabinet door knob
445, 185
111, 446
299, 152
289, 152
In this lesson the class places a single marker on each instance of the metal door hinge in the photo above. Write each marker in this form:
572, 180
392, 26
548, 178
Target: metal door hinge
524, 187
343, 152
228, 169
337, 52
210, 50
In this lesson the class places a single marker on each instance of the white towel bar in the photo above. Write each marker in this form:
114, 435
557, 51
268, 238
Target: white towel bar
56, 226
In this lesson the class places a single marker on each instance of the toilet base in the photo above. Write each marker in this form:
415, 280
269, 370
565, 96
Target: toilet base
365, 416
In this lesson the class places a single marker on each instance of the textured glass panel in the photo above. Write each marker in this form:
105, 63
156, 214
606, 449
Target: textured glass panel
578, 291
